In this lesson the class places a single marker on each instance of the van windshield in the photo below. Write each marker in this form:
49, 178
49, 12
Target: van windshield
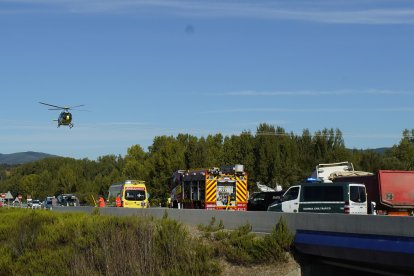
291, 194
357, 194
135, 195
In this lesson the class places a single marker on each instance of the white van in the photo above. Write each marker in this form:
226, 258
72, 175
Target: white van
345, 198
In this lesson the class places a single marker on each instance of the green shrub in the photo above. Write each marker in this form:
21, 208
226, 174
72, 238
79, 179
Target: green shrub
283, 235
6, 261
241, 247
40, 242
207, 230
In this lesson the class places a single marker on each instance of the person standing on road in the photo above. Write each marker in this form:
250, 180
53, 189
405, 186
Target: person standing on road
118, 201
101, 202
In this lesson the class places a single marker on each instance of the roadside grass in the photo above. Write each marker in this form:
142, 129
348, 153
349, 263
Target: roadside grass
39, 242
242, 247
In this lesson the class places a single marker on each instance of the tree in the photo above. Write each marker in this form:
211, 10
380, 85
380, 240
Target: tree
239, 149
329, 146
306, 155
29, 185
405, 150
370, 161
271, 156
214, 145
134, 167
66, 179
266, 157
166, 155
246, 144
194, 151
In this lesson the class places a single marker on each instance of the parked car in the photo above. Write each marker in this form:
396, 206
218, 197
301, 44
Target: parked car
36, 204
67, 200
261, 200
49, 202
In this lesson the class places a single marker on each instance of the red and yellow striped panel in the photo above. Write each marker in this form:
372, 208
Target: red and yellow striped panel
241, 190
211, 186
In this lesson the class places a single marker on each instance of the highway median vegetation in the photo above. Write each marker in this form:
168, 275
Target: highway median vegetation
39, 242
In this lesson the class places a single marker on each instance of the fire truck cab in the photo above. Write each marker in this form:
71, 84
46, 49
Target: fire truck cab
212, 189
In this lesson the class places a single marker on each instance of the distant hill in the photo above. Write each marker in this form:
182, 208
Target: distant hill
22, 157
377, 150
381, 150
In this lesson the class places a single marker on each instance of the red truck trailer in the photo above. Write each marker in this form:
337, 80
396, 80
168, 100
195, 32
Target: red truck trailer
391, 191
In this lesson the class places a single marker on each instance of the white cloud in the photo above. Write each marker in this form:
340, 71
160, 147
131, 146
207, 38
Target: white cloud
340, 12
344, 92
306, 110
122, 124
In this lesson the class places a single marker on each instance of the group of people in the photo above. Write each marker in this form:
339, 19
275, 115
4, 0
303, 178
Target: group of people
101, 202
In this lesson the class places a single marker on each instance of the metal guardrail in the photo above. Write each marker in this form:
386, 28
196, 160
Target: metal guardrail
264, 222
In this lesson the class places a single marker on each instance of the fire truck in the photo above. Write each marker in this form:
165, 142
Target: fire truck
211, 189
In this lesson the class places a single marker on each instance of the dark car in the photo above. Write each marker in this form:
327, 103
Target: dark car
49, 202
261, 200
67, 200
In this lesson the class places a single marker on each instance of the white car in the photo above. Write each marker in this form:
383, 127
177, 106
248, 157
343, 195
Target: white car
36, 204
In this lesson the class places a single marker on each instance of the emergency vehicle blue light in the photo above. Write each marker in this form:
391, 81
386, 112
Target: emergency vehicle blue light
311, 179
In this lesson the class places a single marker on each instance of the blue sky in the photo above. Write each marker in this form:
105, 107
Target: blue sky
149, 68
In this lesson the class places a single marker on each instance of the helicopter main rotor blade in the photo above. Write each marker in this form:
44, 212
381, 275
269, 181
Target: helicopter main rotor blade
58, 107
72, 107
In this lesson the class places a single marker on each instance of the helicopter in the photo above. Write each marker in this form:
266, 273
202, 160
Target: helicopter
65, 117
